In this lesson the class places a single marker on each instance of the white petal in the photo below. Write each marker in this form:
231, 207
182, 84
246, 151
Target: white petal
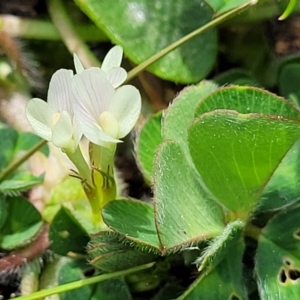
126, 108
60, 90
96, 135
116, 76
77, 132
92, 92
82, 117
112, 59
77, 63
109, 124
63, 131
39, 114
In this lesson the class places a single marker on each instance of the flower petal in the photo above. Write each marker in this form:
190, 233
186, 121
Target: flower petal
39, 115
96, 135
112, 59
77, 132
109, 124
116, 76
63, 132
60, 91
126, 108
92, 92
77, 63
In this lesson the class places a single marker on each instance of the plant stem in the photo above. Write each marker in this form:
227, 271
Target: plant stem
264, 11
80, 283
289, 10
92, 188
252, 231
78, 160
19, 161
103, 178
94, 200
70, 37
134, 72
44, 30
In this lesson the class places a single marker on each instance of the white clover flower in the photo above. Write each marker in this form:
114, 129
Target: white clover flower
104, 114
53, 121
115, 74
87, 103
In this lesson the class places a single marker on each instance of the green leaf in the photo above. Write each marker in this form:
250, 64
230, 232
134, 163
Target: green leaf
19, 182
110, 252
111, 290
10, 136
14, 143
134, 220
22, 225
184, 212
223, 277
214, 253
162, 22
147, 143
277, 262
283, 187
66, 233
247, 100
236, 154
181, 112
175, 121
13, 181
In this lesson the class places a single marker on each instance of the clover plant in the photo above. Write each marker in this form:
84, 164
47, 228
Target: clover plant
222, 218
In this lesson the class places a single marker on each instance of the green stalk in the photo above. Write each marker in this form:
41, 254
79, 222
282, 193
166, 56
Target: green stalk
80, 283
253, 231
94, 200
103, 157
83, 169
263, 11
19, 161
91, 189
44, 30
70, 37
289, 10
134, 72
103, 178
